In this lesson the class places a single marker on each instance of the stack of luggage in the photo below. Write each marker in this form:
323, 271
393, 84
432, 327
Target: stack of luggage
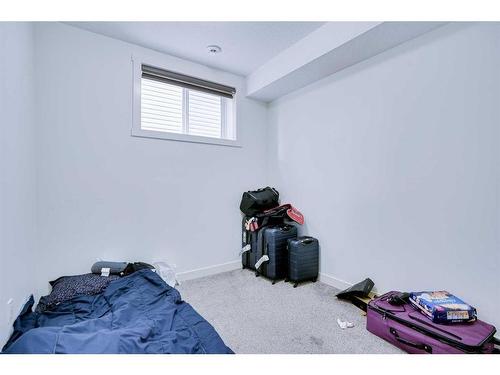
270, 244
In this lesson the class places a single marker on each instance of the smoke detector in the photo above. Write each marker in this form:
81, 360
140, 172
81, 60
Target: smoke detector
213, 49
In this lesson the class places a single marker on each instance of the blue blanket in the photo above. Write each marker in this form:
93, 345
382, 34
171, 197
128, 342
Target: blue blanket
138, 313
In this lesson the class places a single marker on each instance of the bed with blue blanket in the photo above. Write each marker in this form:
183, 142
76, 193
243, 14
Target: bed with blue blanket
138, 313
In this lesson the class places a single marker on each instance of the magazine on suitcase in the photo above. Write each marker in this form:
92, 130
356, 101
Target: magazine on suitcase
411, 331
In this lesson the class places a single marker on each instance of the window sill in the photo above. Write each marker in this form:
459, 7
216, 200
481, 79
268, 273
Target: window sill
184, 138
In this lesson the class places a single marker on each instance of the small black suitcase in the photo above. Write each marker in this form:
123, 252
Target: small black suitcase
272, 242
248, 247
303, 259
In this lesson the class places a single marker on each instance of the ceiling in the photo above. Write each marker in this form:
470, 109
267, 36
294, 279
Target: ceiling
245, 45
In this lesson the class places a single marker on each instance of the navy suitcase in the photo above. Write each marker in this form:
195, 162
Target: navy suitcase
249, 244
272, 243
303, 259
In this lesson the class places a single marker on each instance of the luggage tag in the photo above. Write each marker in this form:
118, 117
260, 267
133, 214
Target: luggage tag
255, 225
248, 223
245, 249
263, 258
105, 271
252, 225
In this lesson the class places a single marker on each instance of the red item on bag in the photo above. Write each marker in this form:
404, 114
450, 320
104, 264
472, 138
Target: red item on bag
295, 215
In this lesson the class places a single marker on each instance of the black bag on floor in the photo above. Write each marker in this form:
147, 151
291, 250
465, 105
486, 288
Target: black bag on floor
254, 202
303, 259
272, 255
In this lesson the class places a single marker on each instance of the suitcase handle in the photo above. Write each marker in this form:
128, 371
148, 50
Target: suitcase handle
307, 240
496, 342
420, 346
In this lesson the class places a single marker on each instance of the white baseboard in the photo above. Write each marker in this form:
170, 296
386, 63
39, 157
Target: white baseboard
236, 264
207, 271
333, 281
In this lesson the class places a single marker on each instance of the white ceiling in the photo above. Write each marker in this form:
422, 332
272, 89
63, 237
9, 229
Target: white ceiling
245, 45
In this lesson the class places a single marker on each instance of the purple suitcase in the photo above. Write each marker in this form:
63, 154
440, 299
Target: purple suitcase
411, 331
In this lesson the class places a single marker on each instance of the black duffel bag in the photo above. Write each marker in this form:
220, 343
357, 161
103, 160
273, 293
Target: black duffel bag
254, 202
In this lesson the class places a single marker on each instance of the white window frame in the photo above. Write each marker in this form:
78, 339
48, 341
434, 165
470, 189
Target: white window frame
137, 130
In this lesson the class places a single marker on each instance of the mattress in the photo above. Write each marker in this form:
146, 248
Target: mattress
138, 313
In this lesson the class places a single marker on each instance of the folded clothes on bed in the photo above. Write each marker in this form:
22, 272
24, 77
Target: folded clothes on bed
67, 287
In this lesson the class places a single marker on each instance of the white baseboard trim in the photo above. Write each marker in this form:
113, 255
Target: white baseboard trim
333, 281
236, 264
207, 271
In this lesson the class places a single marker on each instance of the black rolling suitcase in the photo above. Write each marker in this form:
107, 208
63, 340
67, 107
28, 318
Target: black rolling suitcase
272, 255
248, 246
250, 227
303, 259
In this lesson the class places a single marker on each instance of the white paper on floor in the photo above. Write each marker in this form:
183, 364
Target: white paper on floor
344, 324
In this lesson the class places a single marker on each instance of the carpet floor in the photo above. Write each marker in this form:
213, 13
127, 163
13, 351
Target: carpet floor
254, 316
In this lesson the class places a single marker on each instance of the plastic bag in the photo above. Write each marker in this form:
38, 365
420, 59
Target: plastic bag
167, 273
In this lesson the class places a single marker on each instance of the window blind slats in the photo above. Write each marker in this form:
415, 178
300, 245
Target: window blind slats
170, 95
161, 107
204, 114
161, 103
165, 111
157, 128
177, 109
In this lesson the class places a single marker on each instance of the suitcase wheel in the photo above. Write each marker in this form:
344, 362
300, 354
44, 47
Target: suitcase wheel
274, 282
243, 267
286, 280
256, 274
295, 285
315, 279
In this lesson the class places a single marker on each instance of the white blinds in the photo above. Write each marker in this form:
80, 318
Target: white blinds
161, 106
170, 108
204, 114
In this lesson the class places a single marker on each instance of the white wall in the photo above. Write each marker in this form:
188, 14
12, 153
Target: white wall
17, 171
103, 193
395, 164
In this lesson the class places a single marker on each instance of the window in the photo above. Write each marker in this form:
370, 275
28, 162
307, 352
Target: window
180, 107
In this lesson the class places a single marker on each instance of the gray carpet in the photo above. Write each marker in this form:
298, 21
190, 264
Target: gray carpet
254, 316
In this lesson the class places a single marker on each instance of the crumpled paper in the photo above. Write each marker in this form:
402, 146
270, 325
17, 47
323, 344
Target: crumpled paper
344, 324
